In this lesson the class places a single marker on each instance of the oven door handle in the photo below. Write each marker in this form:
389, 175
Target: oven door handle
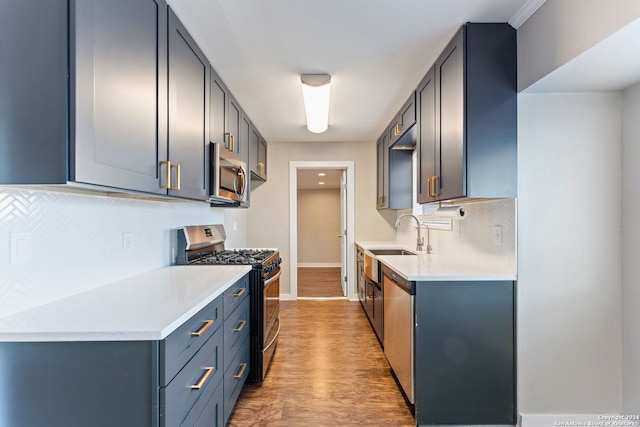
274, 338
273, 279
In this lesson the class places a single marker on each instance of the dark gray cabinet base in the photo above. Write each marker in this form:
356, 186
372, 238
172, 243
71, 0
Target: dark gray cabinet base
465, 353
76, 384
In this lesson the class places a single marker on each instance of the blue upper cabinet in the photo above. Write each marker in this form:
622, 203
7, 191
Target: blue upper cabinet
468, 117
119, 132
186, 173
109, 94
84, 103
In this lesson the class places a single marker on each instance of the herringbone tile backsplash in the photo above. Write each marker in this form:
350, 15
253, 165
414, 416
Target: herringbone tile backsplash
77, 242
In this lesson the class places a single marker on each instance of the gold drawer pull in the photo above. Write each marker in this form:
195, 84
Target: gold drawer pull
239, 375
203, 328
397, 130
243, 323
240, 292
203, 380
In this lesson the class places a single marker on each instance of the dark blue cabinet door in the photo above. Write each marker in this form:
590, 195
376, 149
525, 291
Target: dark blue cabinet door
188, 114
426, 100
75, 384
33, 91
450, 147
465, 353
219, 110
118, 70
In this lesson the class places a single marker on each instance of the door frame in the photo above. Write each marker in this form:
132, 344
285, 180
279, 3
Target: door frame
349, 166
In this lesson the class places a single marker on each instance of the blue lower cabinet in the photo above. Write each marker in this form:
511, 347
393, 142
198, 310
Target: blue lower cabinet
235, 377
184, 398
210, 413
180, 381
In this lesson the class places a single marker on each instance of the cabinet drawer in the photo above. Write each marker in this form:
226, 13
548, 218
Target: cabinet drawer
207, 413
235, 377
194, 384
235, 295
184, 342
236, 330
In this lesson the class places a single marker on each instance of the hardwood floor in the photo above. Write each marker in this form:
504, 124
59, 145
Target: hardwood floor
318, 282
328, 370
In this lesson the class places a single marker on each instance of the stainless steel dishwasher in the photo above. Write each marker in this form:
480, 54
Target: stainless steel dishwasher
399, 296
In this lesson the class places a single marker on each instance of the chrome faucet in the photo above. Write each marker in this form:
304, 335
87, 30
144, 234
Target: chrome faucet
420, 241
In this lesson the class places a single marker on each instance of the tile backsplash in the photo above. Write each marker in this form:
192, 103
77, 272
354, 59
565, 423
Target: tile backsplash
75, 241
475, 238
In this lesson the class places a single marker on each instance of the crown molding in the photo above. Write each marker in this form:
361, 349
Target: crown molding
528, 9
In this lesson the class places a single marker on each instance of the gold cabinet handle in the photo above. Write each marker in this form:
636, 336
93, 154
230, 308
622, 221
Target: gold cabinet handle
434, 183
175, 166
167, 177
203, 380
227, 137
233, 143
261, 168
397, 129
240, 292
207, 324
240, 327
429, 187
243, 366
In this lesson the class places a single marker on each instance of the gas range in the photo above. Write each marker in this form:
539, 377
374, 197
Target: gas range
204, 244
235, 256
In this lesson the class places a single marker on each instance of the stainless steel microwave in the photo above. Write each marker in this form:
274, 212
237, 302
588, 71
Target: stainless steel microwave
228, 181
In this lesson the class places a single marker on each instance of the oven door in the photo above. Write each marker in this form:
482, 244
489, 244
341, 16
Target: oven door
271, 321
271, 303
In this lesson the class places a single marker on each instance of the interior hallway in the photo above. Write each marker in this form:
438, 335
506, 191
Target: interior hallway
328, 370
319, 282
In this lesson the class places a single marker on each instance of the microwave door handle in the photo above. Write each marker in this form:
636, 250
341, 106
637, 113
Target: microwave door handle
242, 175
243, 184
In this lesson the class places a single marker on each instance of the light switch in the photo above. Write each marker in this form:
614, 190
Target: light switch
20, 248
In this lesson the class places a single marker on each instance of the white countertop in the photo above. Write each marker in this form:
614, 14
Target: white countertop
435, 267
148, 306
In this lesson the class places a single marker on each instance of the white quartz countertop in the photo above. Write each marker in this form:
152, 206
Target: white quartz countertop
148, 306
436, 267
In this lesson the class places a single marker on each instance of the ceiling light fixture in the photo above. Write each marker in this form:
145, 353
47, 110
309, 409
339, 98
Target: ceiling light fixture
321, 174
315, 92
321, 183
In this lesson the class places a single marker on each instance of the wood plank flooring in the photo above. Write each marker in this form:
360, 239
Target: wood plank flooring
328, 370
318, 282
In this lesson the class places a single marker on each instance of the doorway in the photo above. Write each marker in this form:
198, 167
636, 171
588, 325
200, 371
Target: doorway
346, 173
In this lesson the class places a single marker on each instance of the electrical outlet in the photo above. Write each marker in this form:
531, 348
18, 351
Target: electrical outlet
127, 243
497, 234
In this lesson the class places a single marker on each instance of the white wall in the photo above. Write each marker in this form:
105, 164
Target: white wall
318, 227
76, 241
560, 30
569, 250
630, 251
268, 217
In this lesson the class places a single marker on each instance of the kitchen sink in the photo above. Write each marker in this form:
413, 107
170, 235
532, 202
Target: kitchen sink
391, 252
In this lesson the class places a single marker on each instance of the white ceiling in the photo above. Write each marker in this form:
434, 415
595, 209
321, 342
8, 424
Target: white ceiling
309, 179
375, 50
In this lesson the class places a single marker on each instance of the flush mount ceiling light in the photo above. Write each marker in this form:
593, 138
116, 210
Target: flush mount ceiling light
315, 92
